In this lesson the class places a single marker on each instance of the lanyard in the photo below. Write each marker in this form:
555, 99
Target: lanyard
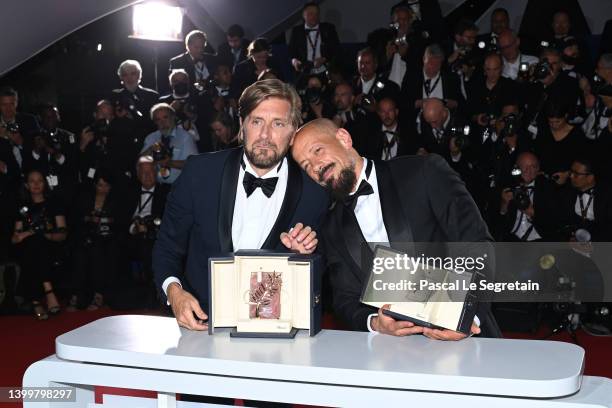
141, 205
429, 89
584, 210
314, 43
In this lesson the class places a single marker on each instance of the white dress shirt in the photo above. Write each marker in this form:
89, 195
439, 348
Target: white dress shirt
366, 86
588, 199
436, 87
511, 69
368, 210
315, 38
389, 137
254, 216
522, 224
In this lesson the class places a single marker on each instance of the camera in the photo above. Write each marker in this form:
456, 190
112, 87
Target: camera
541, 70
468, 56
99, 229
37, 223
100, 128
511, 124
369, 100
461, 135
11, 127
312, 95
159, 151
152, 225
128, 104
519, 191
417, 31
489, 47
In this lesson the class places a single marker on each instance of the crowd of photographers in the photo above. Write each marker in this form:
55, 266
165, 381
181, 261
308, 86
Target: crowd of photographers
529, 134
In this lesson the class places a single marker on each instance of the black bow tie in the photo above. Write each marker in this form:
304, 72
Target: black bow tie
390, 132
251, 183
145, 192
588, 192
364, 189
311, 30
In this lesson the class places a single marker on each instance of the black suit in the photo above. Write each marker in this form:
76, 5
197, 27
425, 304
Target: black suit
422, 200
184, 61
225, 55
199, 214
374, 144
412, 90
330, 44
544, 205
601, 227
244, 75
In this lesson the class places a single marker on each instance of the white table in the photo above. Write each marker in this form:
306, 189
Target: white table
334, 368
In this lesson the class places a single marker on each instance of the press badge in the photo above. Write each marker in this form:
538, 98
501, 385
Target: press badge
91, 173
52, 181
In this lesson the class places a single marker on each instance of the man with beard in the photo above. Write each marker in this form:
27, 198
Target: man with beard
244, 198
407, 199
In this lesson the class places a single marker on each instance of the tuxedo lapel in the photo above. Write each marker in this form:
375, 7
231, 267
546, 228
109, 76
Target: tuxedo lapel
290, 202
351, 233
227, 200
395, 221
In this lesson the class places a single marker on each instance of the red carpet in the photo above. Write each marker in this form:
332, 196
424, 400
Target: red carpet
25, 340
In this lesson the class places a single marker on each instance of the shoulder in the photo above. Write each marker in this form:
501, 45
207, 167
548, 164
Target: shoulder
417, 165
211, 159
149, 91
178, 58
152, 137
530, 59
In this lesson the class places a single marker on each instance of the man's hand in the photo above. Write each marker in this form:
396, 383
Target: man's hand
387, 325
448, 335
300, 239
561, 177
297, 64
86, 138
184, 306
319, 61
3, 167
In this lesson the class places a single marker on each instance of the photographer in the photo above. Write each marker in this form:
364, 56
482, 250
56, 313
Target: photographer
429, 82
222, 102
587, 204
390, 139
234, 50
111, 143
500, 22
193, 106
224, 132
446, 133
314, 103
39, 225
527, 207
15, 157
170, 145
409, 37
198, 61
98, 229
11, 119
145, 208
598, 99
313, 45
465, 56
66, 143
134, 99
558, 142
516, 64
368, 86
356, 122
259, 60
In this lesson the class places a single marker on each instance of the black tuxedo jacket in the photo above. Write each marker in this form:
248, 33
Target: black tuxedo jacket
601, 228
225, 56
157, 206
328, 37
545, 211
390, 89
422, 200
412, 87
197, 223
373, 145
184, 61
244, 75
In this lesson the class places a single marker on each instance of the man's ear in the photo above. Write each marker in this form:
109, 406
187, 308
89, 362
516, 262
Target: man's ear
344, 138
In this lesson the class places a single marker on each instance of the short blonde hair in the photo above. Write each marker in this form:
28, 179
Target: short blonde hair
258, 92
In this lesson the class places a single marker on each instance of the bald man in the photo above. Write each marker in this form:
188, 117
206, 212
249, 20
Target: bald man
407, 199
533, 222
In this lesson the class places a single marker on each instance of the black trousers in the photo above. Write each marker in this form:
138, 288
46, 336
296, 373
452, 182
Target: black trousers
36, 261
95, 267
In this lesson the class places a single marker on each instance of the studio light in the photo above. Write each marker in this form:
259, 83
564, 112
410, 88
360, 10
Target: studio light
157, 21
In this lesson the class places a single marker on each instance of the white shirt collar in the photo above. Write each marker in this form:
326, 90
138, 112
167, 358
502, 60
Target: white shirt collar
272, 173
362, 176
311, 28
150, 190
432, 79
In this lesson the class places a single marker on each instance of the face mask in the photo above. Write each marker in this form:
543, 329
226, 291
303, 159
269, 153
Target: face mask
181, 89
